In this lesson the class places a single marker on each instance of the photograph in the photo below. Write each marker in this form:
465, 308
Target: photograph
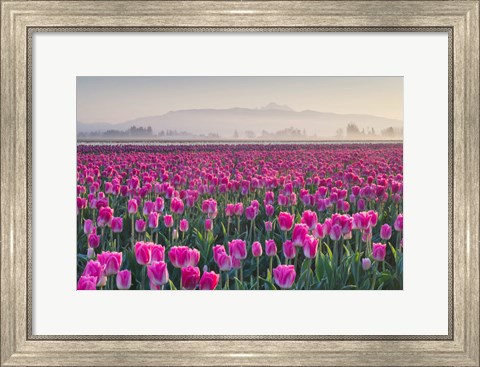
239, 183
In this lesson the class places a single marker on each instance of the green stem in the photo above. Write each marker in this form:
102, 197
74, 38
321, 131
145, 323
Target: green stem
309, 262
258, 272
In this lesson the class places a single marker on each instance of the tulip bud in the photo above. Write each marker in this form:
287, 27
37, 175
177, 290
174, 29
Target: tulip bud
379, 251
257, 249
124, 279
140, 225
284, 276
268, 227
183, 225
168, 221
289, 249
270, 248
366, 263
385, 232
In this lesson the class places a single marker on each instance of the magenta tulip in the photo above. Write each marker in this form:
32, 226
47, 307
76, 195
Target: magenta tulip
270, 248
379, 251
117, 224
310, 247
257, 249
284, 276
190, 277
238, 249
143, 253
310, 219
153, 220
87, 283
183, 225
124, 279
285, 220
140, 225
289, 249
168, 221
132, 206
158, 273
385, 232
209, 281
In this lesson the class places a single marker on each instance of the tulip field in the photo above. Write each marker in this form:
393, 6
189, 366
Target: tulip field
240, 217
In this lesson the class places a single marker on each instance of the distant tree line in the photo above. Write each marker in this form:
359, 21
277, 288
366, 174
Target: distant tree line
134, 132
352, 131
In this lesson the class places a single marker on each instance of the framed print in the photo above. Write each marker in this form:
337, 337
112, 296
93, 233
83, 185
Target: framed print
241, 174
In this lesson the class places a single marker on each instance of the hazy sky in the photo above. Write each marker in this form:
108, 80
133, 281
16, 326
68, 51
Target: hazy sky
119, 99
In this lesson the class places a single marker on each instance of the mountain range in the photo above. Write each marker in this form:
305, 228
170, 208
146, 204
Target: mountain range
225, 122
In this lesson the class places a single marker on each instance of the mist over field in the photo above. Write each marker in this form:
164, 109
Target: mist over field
240, 108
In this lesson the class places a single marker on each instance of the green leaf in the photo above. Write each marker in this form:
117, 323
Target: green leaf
172, 286
268, 284
239, 284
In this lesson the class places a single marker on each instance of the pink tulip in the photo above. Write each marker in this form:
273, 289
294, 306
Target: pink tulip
88, 227
238, 249
158, 252
250, 213
148, 207
224, 261
153, 220
269, 198
310, 219
94, 268
310, 247
217, 250
379, 251
158, 273
398, 225
238, 209
111, 260
177, 206
269, 210
268, 227
284, 276
209, 281
335, 232
270, 248
257, 249
168, 221
140, 225
182, 256
159, 204
143, 253
208, 224
318, 231
289, 249
183, 225
366, 263
236, 263
298, 235
117, 224
87, 283
230, 210
209, 207
93, 240
385, 232
285, 220
132, 206
105, 216
124, 279
190, 277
